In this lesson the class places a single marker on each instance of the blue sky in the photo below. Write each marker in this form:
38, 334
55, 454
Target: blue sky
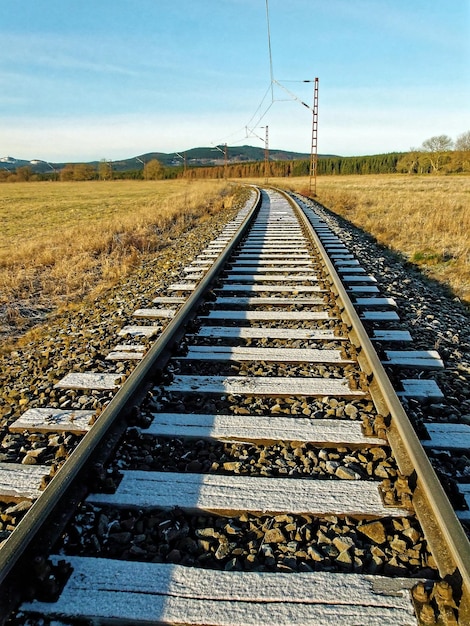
93, 79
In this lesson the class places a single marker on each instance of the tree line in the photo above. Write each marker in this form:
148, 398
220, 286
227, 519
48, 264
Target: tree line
436, 155
153, 170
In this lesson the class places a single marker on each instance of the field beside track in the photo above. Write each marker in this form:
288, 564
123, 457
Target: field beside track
62, 242
425, 218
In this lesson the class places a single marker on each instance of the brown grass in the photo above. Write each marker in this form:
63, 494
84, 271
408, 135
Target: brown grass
62, 241
426, 218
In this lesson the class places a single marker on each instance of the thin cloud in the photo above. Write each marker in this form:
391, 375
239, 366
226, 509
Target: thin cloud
55, 52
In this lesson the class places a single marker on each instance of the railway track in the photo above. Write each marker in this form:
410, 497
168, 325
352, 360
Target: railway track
263, 468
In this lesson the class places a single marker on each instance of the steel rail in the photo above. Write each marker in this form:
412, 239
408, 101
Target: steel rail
449, 544
118, 409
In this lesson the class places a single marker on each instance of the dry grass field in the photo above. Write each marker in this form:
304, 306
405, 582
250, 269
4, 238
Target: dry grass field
60, 242
426, 218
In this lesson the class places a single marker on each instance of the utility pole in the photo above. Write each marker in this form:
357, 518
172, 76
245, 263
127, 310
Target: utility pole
182, 156
53, 169
314, 149
266, 156
143, 166
250, 132
225, 153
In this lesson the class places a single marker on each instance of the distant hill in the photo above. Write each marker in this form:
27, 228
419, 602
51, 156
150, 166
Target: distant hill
10, 163
203, 156
208, 156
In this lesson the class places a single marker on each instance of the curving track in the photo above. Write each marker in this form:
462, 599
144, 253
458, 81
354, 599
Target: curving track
264, 471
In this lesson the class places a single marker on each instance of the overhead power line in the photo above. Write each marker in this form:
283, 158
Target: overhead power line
270, 52
262, 110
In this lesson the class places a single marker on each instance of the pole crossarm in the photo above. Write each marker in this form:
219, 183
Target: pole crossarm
293, 94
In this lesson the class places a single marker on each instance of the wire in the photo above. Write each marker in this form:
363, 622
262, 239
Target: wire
250, 122
270, 51
293, 95
260, 105
253, 124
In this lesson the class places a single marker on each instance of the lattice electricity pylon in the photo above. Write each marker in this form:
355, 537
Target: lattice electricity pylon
250, 132
314, 149
225, 153
266, 156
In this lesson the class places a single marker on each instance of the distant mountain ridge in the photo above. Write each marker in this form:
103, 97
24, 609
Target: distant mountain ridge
194, 157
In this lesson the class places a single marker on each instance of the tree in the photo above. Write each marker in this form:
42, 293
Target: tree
461, 156
462, 143
105, 170
78, 171
83, 171
435, 149
66, 173
154, 170
24, 173
409, 162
